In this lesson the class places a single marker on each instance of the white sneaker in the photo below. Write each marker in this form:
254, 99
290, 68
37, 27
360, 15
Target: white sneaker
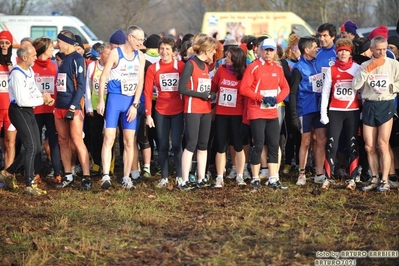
105, 182
319, 179
247, 175
326, 184
179, 181
375, 182
232, 174
240, 180
393, 184
351, 184
301, 179
127, 183
163, 182
219, 182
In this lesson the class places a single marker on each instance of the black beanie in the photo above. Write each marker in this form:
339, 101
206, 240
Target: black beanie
152, 41
394, 40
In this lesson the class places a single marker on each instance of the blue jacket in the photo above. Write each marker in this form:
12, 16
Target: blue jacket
307, 101
325, 58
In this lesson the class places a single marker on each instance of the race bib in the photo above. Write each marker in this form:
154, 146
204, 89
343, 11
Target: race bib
129, 86
268, 93
227, 97
378, 82
96, 86
343, 91
317, 82
169, 82
3, 83
45, 84
61, 82
204, 85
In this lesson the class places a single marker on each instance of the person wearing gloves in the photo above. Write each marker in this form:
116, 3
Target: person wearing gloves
24, 96
343, 112
379, 78
265, 85
195, 85
68, 111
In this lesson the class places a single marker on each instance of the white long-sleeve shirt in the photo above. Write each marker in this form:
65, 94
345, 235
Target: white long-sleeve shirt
22, 88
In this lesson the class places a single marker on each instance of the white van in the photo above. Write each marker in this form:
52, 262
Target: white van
49, 26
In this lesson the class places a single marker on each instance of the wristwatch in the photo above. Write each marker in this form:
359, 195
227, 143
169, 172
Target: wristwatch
72, 107
136, 105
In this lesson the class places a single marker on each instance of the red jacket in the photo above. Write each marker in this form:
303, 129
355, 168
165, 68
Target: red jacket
4, 95
45, 77
263, 79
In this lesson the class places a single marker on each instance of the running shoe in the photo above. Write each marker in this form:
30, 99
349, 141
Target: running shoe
127, 183
326, 184
219, 182
34, 191
246, 175
240, 181
65, 183
383, 187
86, 184
255, 185
351, 184
9, 180
163, 183
375, 182
37, 179
319, 179
287, 169
301, 179
105, 182
277, 185
203, 183
232, 174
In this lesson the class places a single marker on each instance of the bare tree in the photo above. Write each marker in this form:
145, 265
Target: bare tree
24, 7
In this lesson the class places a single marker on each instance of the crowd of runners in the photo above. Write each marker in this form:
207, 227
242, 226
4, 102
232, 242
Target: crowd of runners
323, 107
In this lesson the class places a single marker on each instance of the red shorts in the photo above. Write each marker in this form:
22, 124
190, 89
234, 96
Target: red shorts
60, 113
5, 120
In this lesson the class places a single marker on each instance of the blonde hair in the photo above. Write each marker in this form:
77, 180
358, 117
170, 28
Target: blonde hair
292, 42
203, 43
344, 42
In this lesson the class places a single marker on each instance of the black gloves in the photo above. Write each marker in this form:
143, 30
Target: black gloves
6, 59
295, 122
270, 101
213, 96
69, 115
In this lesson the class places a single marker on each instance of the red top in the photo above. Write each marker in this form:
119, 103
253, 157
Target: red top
4, 95
164, 78
229, 100
45, 77
199, 81
343, 97
263, 79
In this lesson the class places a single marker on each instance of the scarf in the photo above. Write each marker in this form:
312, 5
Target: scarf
344, 66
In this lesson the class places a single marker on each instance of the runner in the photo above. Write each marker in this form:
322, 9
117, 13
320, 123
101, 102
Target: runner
24, 95
229, 109
265, 86
343, 112
379, 79
195, 85
168, 115
68, 110
124, 72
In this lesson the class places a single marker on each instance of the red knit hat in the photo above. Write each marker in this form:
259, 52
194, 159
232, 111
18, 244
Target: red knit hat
379, 31
244, 47
5, 34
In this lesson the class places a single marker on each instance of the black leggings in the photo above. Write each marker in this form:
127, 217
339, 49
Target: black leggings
24, 121
48, 121
197, 129
265, 131
164, 124
227, 128
349, 120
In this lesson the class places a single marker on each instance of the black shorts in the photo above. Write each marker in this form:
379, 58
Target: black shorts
376, 113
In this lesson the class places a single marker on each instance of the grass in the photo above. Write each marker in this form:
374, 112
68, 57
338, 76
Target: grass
229, 226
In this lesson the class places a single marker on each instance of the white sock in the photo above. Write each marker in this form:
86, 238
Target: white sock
69, 177
273, 179
146, 167
135, 174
